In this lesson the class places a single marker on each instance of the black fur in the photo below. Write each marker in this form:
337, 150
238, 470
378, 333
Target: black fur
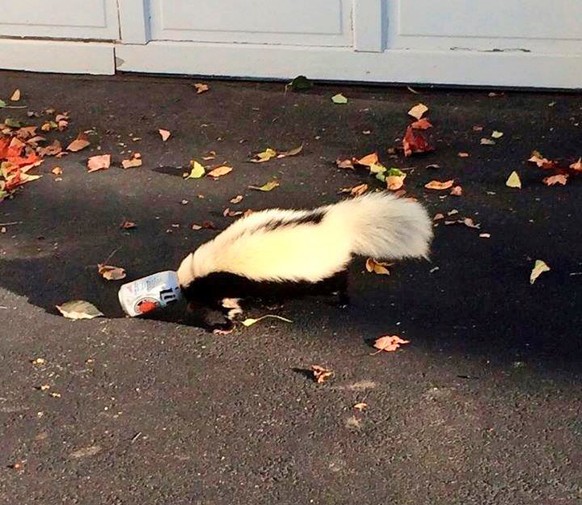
312, 217
208, 292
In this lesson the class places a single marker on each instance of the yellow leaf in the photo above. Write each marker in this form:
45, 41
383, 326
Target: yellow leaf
339, 99
220, 171
291, 152
250, 321
418, 111
496, 134
513, 181
197, 170
165, 134
269, 186
15, 96
265, 155
79, 309
539, 268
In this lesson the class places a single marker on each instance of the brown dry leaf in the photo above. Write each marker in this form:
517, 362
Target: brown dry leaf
201, 87
81, 142
133, 162
467, 221
378, 267
321, 374
15, 96
577, 166
368, 160
50, 150
537, 158
57, 171
263, 156
355, 190
127, 225
111, 273
347, 163
165, 134
539, 268
291, 152
487, 142
395, 182
457, 191
210, 156
361, 406
389, 343
463, 155
100, 162
195, 227
220, 171
556, 179
231, 213
438, 185
236, 199
418, 111
415, 140
438, 217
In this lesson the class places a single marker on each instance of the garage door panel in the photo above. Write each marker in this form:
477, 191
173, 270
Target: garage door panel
298, 22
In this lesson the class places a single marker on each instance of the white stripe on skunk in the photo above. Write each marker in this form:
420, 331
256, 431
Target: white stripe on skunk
313, 245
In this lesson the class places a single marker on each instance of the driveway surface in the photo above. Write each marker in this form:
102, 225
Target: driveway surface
482, 407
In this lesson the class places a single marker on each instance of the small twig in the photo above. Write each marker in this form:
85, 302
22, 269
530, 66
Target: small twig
136, 436
11, 223
111, 255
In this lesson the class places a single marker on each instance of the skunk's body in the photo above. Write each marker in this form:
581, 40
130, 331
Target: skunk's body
276, 253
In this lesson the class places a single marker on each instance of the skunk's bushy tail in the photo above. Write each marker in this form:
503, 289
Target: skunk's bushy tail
384, 226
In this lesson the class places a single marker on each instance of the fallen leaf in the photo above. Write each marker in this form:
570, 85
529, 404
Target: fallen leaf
368, 160
50, 150
467, 221
389, 343
487, 142
418, 111
513, 181
463, 155
263, 156
347, 163
44, 387
2, 104
210, 156
127, 225
165, 134
438, 217
220, 171
321, 374
250, 321
457, 191
438, 185
414, 140
15, 96
197, 170
361, 406
291, 152
395, 179
133, 162
231, 213
355, 190
195, 227
540, 161
577, 166
556, 179
79, 309
485, 235
81, 142
339, 99
54, 394
269, 186
421, 124
377, 267
300, 83
236, 199
539, 268
57, 171
201, 87
38, 361
496, 134
111, 273
100, 162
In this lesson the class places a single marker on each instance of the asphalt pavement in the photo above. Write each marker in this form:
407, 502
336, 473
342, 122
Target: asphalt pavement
483, 406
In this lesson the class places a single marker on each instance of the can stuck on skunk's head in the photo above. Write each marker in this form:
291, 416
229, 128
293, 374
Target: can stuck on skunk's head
149, 293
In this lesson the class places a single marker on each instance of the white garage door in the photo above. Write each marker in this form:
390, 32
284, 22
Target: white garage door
479, 42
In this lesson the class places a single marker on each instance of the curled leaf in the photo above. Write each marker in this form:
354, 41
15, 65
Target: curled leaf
263, 156
291, 152
439, 186
196, 170
236, 199
539, 268
201, 87
110, 272
355, 190
347, 163
389, 343
577, 166
377, 267
321, 374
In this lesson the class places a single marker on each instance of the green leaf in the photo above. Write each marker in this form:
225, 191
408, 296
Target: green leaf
300, 83
395, 172
269, 186
2, 103
377, 168
197, 170
12, 123
381, 177
339, 98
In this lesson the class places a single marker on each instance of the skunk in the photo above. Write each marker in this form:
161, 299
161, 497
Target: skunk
275, 253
